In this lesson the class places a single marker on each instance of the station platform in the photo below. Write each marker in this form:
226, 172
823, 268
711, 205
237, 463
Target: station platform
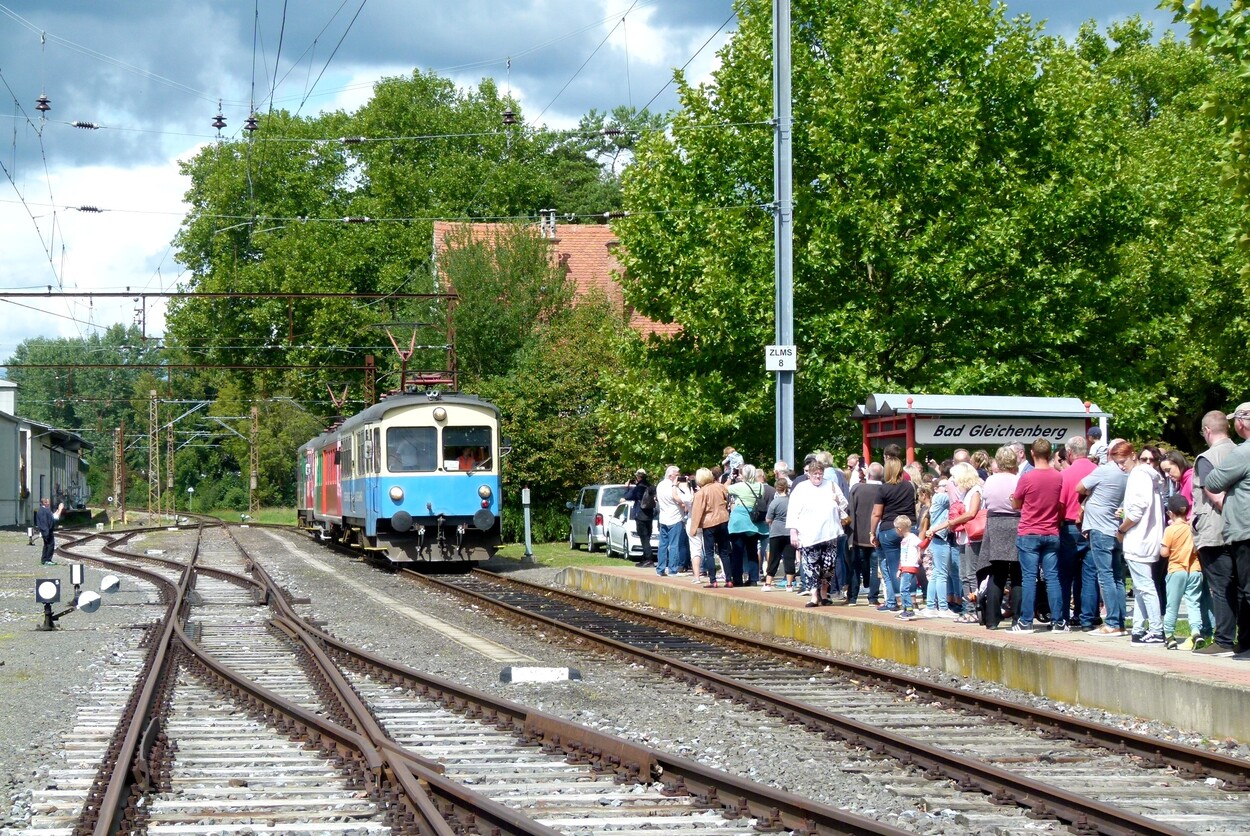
1203, 694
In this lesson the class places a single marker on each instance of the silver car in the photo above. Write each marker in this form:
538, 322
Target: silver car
623, 534
588, 517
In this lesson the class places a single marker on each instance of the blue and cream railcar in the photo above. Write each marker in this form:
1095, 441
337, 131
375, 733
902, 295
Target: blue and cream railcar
415, 478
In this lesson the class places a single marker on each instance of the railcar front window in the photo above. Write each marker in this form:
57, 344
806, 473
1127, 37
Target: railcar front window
467, 448
411, 449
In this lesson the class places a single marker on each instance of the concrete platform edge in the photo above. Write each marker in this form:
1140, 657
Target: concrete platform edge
1211, 708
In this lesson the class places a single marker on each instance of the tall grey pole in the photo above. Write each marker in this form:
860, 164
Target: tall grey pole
783, 220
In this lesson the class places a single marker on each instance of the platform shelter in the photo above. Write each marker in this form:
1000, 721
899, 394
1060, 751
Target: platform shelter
970, 420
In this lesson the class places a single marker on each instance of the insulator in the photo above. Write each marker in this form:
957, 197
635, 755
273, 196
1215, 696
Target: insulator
220, 121
607, 216
90, 209
509, 118
612, 131
352, 140
43, 104
251, 124
90, 126
355, 219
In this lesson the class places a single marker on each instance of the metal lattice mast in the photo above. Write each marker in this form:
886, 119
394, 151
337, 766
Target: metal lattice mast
253, 495
154, 454
169, 470
119, 468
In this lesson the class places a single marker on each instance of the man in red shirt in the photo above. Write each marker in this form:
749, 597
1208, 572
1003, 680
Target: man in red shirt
1073, 547
1037, 497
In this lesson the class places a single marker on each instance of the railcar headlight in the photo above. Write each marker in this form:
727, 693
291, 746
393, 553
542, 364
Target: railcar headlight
397, 493
484, 492
440, 414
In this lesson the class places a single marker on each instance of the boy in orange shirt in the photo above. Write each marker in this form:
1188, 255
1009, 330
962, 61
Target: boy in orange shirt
1184, 578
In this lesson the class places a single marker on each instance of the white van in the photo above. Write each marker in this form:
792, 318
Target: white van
588, 516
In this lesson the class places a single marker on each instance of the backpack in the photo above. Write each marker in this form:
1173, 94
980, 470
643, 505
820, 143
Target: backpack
647, 501
759, 511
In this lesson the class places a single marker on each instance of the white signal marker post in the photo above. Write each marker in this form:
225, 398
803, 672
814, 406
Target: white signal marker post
525, 503
780, 358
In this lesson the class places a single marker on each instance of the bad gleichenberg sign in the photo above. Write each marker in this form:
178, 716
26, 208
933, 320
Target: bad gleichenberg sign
995, 431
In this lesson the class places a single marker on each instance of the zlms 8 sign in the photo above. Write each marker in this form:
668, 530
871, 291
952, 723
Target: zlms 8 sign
995, 431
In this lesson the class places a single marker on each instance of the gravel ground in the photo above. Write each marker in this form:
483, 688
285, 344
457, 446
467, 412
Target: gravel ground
353, 599
44, 675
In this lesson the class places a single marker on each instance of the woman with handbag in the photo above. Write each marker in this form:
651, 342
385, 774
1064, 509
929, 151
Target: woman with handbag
966, 505
998, 546
746, 532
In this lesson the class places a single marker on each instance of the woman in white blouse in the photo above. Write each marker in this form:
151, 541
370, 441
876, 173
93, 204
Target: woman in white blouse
817, 507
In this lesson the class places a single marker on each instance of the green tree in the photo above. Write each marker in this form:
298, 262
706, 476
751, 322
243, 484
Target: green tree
552, 405
971, 216
506, 286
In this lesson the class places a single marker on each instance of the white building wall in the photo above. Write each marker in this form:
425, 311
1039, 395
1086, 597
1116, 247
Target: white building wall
10, 473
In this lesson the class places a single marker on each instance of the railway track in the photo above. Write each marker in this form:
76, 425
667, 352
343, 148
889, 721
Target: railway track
243, 715
1091, 777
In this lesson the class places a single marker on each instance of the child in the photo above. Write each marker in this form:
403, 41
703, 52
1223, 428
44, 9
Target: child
1184, 578
908, 564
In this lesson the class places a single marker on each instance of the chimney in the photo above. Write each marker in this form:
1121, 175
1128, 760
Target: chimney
547, 223
8, 397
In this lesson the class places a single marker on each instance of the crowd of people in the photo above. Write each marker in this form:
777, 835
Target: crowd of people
1026, 539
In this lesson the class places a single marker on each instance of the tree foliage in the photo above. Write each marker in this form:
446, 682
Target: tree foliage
976, 206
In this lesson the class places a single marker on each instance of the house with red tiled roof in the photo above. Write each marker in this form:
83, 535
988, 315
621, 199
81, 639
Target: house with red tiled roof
587, 252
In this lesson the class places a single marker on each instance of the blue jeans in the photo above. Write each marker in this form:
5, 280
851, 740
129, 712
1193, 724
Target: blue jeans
1039, 550
1106, 556
940, 586
841, 567
1073, 551
669, 557
891, 552
907, 585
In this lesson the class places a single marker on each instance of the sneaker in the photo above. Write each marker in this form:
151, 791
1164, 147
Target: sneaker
1187, 644
48, 563
1021, 628
1106, 631
947, 614
905, 615
1214, 649
1170, 642
1060, 627
1152, 639
711, 585
887, 608
1137, 638
852, 603
1042, 619
768, 587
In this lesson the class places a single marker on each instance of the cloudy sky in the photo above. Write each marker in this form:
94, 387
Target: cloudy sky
151, 73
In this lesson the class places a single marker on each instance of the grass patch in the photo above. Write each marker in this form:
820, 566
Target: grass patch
558, 555
275, 516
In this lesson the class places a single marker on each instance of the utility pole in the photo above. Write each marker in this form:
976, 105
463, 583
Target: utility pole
783, 220
119, 469
169, 471
154, 454
253, 495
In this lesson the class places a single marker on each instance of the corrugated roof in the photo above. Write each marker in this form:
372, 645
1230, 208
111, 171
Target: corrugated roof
587, 252
998, 405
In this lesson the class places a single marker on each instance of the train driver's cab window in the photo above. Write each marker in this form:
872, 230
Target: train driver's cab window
410, 449
467, 448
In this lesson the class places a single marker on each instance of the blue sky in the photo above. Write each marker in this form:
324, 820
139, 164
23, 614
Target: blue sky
151, 73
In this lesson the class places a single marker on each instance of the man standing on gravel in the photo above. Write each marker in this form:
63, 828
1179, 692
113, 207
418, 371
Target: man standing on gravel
46, 520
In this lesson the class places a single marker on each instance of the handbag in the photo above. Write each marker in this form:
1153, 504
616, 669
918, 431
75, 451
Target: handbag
975, 527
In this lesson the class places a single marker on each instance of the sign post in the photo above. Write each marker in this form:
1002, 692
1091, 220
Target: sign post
525, 503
